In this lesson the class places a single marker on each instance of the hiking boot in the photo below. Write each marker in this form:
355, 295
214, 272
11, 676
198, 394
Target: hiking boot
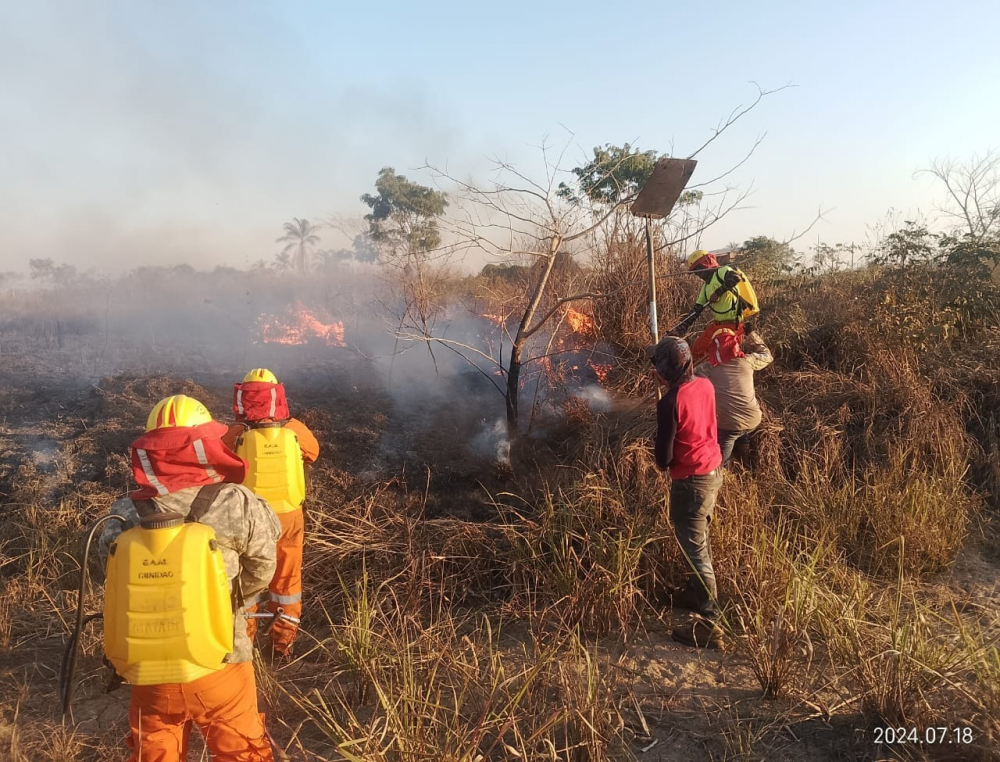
699, 633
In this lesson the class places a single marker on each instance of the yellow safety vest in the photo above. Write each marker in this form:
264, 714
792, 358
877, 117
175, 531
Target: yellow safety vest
168, 610
734, 305
275, 470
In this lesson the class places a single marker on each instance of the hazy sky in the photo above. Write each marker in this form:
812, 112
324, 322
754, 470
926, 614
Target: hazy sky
163, 132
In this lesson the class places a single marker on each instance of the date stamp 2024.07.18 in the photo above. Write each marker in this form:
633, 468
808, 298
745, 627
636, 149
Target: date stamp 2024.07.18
930, 735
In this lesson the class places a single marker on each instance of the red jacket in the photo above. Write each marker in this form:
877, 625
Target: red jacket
687, 437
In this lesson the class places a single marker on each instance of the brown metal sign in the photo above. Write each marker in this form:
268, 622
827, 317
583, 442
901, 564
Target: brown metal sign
663, 188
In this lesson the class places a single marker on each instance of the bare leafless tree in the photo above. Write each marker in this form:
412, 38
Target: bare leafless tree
515, 215
973, 194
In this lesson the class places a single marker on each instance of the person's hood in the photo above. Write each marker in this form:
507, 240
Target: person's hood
724, 347
258, 401
169, 459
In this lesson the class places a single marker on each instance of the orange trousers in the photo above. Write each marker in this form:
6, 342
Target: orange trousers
286, 584
224, 707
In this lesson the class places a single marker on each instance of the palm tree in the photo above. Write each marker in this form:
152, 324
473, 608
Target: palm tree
300, 237
282, 262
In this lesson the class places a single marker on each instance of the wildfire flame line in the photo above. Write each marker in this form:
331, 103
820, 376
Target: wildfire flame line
299, 326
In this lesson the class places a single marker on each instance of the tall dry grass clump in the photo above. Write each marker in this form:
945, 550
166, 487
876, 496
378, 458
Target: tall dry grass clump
867, 480
412, 658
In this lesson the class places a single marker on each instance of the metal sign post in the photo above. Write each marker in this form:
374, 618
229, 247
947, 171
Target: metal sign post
655, 201
654, 327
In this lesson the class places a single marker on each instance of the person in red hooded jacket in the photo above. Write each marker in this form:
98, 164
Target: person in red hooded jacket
181, 467
259, 404
687, 446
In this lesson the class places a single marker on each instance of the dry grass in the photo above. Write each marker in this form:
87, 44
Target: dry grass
449, 639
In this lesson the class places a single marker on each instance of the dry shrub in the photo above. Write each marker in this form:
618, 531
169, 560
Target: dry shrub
903, 660
620, 270
382, 535
983, 697
579, 560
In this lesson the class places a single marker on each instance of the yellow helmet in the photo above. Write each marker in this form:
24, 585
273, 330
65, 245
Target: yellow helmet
693, 259
261, 375
702, 260
177, 411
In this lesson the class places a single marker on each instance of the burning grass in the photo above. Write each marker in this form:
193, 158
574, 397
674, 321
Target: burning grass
299, 325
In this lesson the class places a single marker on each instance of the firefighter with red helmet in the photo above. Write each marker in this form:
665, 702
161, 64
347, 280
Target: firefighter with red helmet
276, 448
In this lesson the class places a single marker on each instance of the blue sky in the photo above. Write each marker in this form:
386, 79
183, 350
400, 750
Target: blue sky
141, 132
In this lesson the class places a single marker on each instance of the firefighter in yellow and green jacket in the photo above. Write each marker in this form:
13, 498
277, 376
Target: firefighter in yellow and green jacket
729, 296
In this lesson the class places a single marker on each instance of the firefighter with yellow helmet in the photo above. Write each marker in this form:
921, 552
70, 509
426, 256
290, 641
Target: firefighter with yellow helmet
729, 296
195, 544
276, 448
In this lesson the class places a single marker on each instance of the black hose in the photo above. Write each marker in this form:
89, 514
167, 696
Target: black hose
68, 670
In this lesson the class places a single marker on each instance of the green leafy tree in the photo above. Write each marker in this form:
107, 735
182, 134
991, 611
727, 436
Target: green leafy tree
329, 259
283, 262
912, 244
767, 258
968, 253
830, 258
363, 250
403, 222
616, 173
403, 229
300, 238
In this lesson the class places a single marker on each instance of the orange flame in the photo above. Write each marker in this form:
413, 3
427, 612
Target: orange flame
299, 326
600, 370
580, 322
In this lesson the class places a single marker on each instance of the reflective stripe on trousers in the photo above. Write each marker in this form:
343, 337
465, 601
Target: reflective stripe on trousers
286, 585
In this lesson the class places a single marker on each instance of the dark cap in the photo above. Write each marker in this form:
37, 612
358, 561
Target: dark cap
672, 359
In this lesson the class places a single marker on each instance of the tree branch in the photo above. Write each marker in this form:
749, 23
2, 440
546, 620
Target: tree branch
738, 113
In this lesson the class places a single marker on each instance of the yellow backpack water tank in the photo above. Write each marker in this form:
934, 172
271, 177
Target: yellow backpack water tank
168, 614
748, 297
274, 466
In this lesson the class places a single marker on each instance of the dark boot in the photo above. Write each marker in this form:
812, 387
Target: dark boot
684, 597
699, 633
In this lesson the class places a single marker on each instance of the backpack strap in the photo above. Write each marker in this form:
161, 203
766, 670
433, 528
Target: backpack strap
203, 501
199, 506
741, 303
